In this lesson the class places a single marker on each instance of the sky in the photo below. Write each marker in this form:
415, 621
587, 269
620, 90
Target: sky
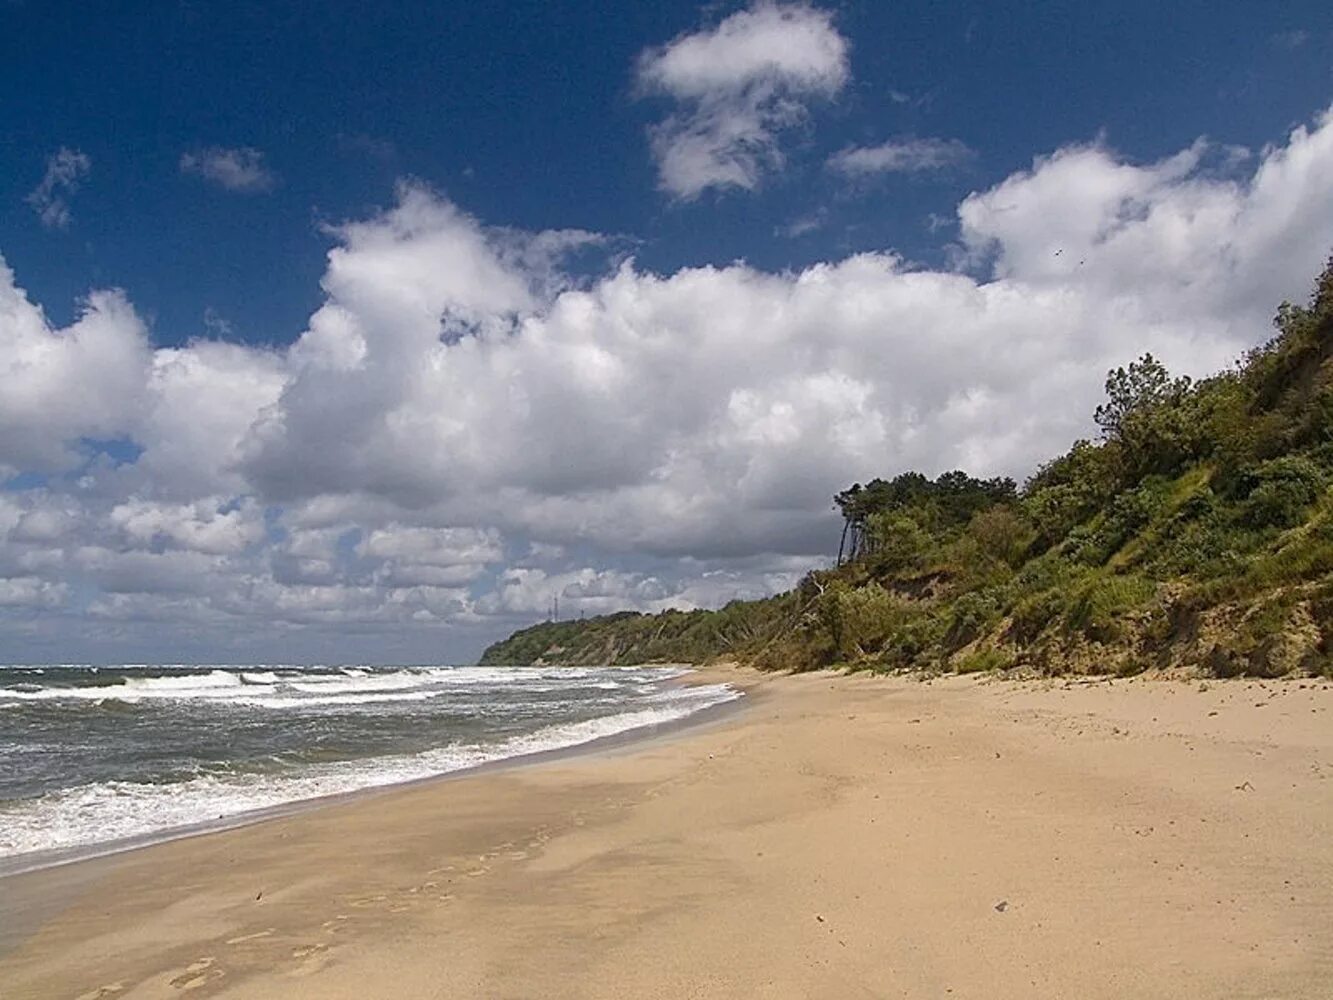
360, 333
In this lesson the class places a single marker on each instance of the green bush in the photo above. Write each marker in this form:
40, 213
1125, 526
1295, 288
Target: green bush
1033, 614
856, 621
913, 641
1203, 541
1097, 611
897, 542
1070, 489
1277, 493
981, 660
1306, 555
971, 615
1054, 569
1002, 534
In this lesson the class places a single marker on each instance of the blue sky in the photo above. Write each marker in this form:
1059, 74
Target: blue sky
340, 328
526, 115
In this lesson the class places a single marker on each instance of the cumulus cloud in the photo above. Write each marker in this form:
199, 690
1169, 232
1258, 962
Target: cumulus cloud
737, 87
899, 156
460, 434
212, 526
411, 556
241, 169
30, 592
65, 170
57, 386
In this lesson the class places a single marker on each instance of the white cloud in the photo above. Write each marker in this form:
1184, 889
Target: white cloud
903, 156
461, 435
65, 170
224, 388
738, 87
241, 169
441, 547
57, 386
212, 526
28, 592
530, 592
436, 557
803, 225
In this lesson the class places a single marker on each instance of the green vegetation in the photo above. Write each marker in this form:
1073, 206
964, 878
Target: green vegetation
1197, 532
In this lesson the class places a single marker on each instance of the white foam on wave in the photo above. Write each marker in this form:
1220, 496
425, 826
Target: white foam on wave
368, 698
396, 681
217, 684
185, 682
116, 810
280, 687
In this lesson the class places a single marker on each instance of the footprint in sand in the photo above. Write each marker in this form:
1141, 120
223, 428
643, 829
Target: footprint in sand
197, 973
312, 958
102, 992
375, 900
250, 937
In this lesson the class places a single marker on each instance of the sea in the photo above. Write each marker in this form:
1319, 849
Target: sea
95, 758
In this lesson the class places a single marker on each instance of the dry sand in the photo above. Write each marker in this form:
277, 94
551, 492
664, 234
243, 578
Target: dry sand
843, 837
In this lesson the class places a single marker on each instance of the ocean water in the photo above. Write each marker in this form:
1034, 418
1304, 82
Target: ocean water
91, 756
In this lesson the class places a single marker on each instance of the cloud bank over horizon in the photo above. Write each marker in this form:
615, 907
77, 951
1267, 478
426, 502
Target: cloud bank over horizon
464, 430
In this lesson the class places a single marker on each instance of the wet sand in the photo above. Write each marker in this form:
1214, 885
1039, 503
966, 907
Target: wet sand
841, 837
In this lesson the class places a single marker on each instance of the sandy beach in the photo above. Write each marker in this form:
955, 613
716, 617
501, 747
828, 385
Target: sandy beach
842, 836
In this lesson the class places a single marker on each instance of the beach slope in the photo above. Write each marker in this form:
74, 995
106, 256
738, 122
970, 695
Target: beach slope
841, 837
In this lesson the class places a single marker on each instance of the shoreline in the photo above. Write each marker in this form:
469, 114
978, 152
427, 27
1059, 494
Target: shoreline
842, 836
35, 861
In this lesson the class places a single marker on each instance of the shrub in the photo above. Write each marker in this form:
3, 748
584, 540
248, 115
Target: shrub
914, 641
1131, 666
1306, 556
856, 621
1001, 533
981, 660
1069, 489
1050, 570
1033, 614
1097, 610
897, 542
1208, 544
1277, 493
1196, 506
970, 616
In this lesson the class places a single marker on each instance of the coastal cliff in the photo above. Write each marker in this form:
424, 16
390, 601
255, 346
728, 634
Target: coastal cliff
1196, 532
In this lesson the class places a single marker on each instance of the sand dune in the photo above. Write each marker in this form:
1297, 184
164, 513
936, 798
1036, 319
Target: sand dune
842, 837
